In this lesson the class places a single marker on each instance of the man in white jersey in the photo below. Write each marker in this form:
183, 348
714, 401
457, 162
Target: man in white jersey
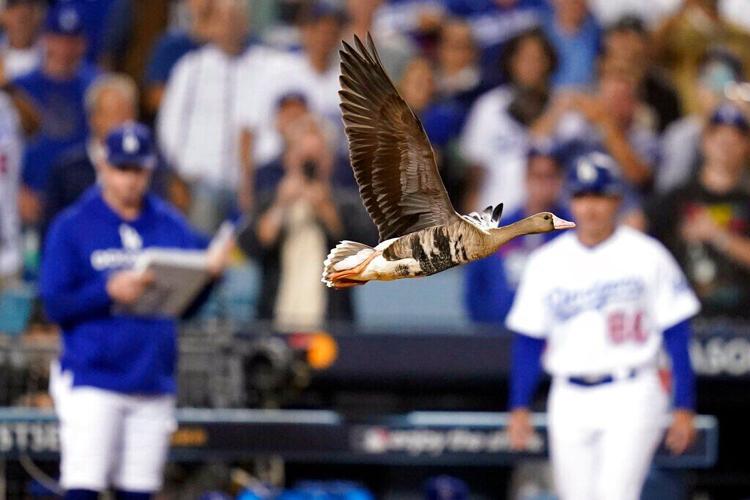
601, 302
11, 147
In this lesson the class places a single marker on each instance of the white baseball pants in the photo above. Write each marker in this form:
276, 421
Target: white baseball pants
111, 439
603, 438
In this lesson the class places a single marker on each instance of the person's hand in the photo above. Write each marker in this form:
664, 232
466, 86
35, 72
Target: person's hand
520, 430
700, 228
292, 186
681, 434
217, 255
29, 206
318, 194
127, 286
592, 108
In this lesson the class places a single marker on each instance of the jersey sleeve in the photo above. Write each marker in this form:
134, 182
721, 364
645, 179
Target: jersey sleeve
529, 314
674, 300
69, 297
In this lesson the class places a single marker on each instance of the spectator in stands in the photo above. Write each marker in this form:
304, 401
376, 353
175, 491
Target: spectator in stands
199, 125
171, 47
56, 88
575, 35
20, 46
395, 49
457, 74
314, 73
300, 207
111, 101
495, 139
612, 120
418, 19
627, 46
129, 33
683, 40
94, 17
493, 23
11, 148
491, 283
681, 142
706, 222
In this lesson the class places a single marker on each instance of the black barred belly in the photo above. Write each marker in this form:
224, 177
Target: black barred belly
432, 249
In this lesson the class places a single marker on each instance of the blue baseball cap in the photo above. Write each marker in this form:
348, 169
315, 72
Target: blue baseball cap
595, 173
130, 145
730, 114
64, 19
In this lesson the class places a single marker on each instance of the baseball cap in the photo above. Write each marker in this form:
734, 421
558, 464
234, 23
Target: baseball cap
320, 9
628, 22
130, 145
64, 19
729, 114
595, 173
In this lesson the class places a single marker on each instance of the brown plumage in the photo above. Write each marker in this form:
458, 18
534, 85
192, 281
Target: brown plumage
398, 178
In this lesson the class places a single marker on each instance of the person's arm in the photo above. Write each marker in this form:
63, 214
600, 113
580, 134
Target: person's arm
66, 298
29, 117
525, 372
681, 432
246, 189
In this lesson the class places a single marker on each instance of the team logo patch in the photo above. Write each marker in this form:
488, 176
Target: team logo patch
131, 240
130, 143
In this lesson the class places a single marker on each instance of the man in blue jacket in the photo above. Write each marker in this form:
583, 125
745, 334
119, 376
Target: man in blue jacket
114, 386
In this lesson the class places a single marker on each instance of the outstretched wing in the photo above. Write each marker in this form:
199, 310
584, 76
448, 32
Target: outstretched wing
391, 156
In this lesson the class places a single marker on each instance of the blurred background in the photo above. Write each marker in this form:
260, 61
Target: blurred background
243, 93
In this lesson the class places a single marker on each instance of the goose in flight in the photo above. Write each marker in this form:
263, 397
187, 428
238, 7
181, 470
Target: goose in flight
394, 165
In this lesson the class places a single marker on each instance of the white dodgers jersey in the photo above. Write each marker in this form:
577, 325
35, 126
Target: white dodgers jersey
602, 309
10, 176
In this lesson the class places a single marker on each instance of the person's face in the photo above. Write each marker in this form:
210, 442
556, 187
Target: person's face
627, 45
543, 181
229, 24
199, 9
310, 145
725, 146
21, 23
63, 52
322, 36
595, 215
530, 65
417, 84
362, 9
574, 11
288, 113
111, 110
126, 186
619, 96
456, 49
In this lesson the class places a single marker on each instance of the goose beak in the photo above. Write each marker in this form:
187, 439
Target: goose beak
559, 223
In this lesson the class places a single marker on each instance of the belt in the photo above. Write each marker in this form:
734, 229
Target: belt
595, 380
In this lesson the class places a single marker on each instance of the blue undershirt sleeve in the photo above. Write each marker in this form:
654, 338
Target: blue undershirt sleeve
526, 367
676, 343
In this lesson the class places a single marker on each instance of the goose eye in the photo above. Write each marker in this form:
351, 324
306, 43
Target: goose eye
546, 217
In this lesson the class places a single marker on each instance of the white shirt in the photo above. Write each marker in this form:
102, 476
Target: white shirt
278, 74
18, 62
493, 140
601, 309
652, 12
199, 123
11, 146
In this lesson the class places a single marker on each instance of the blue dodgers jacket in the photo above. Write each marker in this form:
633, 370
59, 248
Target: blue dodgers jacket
101, 347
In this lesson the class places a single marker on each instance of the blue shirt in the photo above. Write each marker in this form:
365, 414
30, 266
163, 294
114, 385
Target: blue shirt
103, 348
167, 51
576, 53
491, 283
61, 104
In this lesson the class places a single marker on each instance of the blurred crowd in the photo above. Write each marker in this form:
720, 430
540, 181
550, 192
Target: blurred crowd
242, 96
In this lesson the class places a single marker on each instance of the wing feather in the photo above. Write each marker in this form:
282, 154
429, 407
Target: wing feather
392, 158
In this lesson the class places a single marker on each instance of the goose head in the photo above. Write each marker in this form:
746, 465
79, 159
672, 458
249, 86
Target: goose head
544, 222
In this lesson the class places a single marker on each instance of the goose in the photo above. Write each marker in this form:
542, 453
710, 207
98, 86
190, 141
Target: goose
394, 165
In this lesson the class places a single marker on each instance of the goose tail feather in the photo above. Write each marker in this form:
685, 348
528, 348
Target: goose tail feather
345, 255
